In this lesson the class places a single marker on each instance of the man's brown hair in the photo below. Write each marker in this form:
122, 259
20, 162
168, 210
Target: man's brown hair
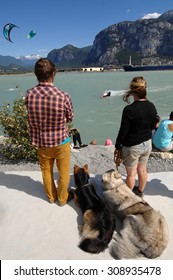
44, 69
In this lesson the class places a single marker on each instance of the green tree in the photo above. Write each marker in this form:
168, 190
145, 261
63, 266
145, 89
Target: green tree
14, 122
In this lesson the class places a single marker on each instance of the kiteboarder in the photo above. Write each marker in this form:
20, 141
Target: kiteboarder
106, 94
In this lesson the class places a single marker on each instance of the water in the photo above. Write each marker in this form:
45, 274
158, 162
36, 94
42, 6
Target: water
95, 117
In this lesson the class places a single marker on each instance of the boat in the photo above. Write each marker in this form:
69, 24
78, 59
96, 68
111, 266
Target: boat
106, 93
147, 67
129, 67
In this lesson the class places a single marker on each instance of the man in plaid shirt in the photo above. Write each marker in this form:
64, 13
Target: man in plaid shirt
49, 109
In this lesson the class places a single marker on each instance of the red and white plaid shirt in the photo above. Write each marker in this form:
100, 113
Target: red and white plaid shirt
49, 109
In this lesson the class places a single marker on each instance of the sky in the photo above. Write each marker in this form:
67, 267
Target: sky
61, 22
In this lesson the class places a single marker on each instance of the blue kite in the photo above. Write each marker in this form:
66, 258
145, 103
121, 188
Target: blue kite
7, 30
31, 34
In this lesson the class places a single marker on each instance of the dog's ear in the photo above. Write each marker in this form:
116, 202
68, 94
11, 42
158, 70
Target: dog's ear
86, 168
76, 169
117, 175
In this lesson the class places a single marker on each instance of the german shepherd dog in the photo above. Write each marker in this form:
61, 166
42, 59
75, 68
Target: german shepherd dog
144, 231
98, 223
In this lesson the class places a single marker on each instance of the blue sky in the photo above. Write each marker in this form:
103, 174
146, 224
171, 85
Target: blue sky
62, 22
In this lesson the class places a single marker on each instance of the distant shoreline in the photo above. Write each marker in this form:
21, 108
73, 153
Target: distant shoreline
61, 71
12, 74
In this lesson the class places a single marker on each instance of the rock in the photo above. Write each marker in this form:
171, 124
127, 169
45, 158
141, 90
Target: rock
99, 159
162, 155
143, 37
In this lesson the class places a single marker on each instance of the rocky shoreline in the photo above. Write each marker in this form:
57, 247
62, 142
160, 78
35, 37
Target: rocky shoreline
99, 159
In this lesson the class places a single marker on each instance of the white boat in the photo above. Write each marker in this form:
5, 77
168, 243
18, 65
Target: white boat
106, 93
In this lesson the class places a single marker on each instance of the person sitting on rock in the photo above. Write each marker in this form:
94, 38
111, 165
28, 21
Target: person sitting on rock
162, 139
108, 142
75, 134
93, 142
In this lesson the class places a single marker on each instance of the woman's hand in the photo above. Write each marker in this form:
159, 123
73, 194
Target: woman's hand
117, 157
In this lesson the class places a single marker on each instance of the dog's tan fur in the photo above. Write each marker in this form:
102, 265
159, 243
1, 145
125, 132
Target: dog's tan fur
144, 231
87, 229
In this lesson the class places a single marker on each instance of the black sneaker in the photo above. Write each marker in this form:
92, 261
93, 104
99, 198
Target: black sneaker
138, 192
83, 145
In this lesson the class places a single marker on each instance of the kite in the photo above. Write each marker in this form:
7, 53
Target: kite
31, 34
7, 30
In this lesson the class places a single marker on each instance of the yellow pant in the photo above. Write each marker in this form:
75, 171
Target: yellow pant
46, 157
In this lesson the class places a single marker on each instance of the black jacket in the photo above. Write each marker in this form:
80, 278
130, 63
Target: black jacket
138, 121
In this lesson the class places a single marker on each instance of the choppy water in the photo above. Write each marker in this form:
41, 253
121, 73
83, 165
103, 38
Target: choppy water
97, 118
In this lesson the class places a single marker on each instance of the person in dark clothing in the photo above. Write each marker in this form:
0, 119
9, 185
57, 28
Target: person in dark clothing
133, 144
75, 134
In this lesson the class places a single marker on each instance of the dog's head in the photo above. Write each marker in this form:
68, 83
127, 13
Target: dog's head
81, 175
111, 179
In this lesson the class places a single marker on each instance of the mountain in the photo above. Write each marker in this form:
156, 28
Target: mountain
22, 64
149, 41
69, 56
9, 60
168, 16
11, 65
142, 39
29, 59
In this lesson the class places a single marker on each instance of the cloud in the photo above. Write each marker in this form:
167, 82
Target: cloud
153, 15
128, 11
42, 50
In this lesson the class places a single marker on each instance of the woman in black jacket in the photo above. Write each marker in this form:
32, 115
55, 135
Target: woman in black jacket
133, 144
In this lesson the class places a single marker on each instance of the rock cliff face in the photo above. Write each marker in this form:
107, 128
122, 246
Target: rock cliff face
147, 41
145, 37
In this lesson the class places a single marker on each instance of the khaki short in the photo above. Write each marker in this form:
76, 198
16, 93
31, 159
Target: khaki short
131, 156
